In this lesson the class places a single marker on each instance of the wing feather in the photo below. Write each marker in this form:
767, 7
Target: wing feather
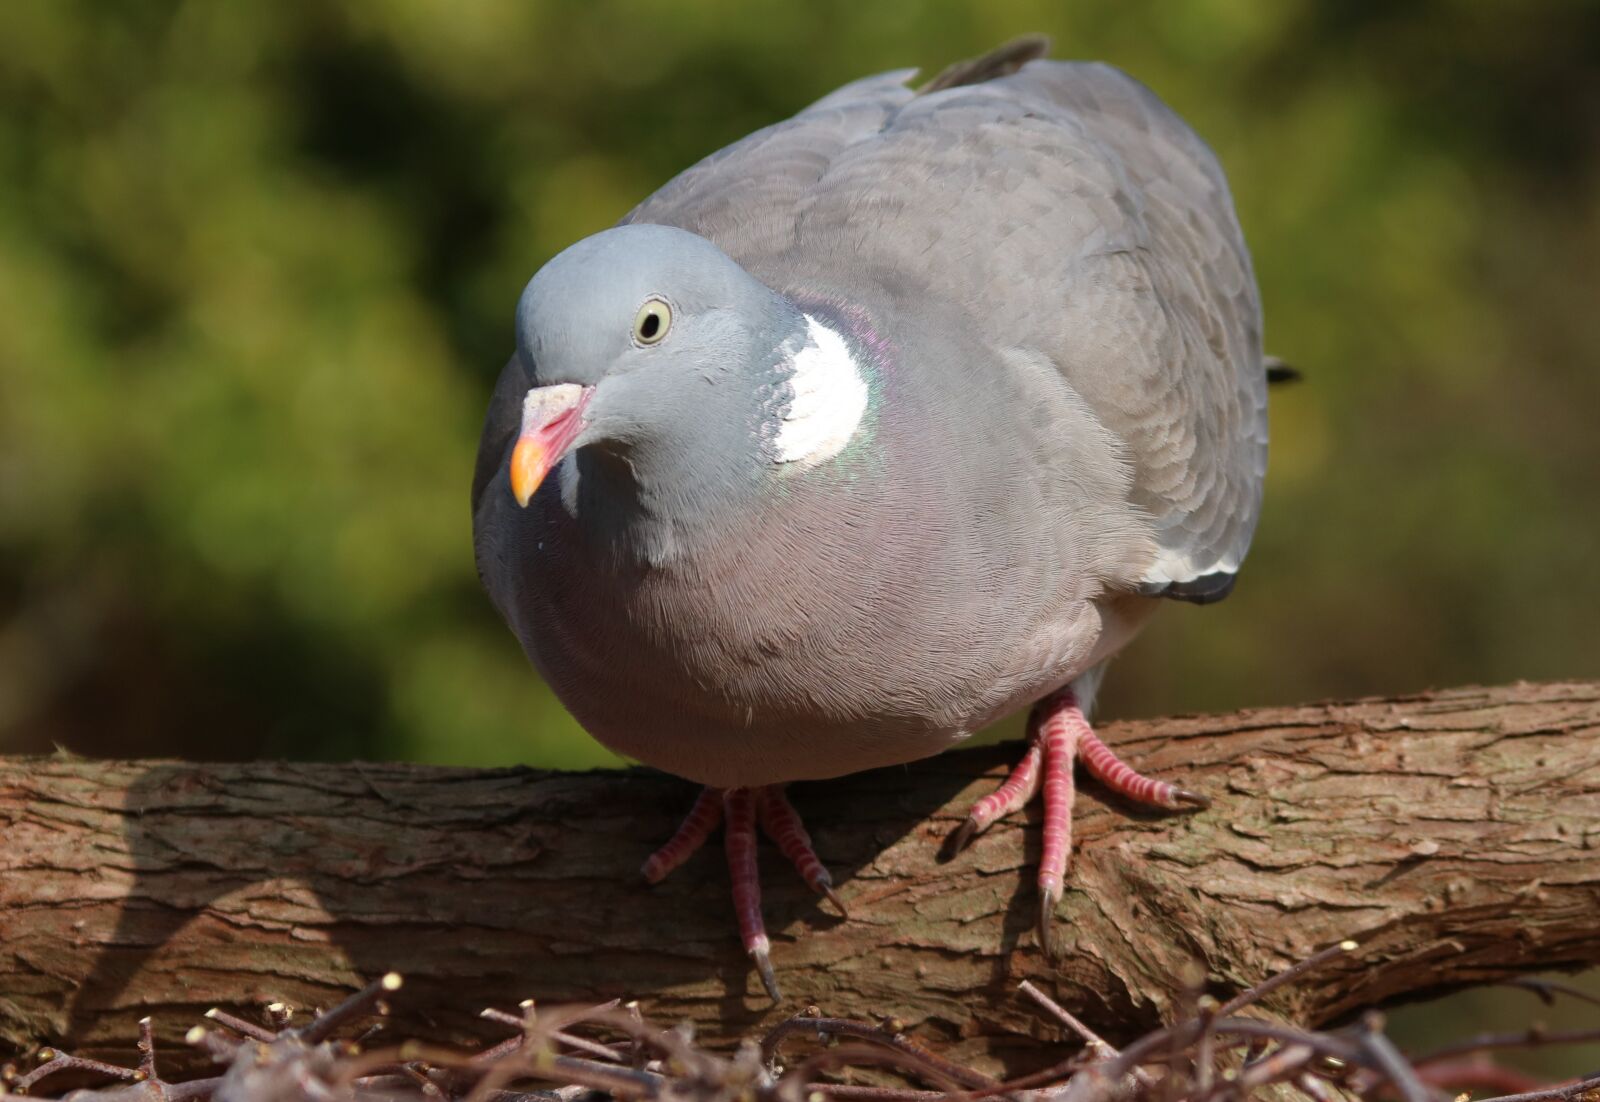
1071, 215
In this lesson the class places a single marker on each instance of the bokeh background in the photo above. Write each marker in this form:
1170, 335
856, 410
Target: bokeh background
258, 264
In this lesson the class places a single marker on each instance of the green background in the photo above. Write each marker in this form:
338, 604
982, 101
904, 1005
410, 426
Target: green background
258, 264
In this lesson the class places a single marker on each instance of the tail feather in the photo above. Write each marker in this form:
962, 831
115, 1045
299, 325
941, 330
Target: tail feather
1001, 61
1280, 372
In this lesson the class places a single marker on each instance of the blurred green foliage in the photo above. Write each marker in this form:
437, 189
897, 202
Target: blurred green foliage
258, 264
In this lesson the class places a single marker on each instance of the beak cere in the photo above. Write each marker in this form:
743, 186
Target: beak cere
552, 417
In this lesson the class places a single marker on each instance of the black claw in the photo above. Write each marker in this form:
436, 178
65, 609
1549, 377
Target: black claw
963, 835
769, 979
1047, 910
833, 897
1193, 799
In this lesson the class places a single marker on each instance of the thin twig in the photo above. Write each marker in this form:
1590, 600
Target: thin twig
1578, 1090
892, 1038
1313, 1087
1285, 1063
1548, 989
1102, 1048
1097, 1044
147, 1050
873, 1094
1326, 1044
845, 1056
1387, 1059
1537, 1037
240, 1026
54, 1062
367, 999
1206, 1009
582, 1044
1288, 975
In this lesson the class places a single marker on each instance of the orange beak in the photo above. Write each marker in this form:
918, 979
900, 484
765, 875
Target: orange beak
552, 417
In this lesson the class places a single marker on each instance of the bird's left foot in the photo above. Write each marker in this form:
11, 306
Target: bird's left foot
1058, 733
739, 810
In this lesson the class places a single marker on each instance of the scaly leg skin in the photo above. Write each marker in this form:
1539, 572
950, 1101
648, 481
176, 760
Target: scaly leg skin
781, 822
1058, 732
739, 810
697, 826
739, 840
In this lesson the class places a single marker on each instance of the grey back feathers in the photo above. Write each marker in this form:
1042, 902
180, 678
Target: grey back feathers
1033, 272
1069, 213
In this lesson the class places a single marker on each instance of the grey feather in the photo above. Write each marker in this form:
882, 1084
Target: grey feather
1205, 590
1070, 213
1044, 276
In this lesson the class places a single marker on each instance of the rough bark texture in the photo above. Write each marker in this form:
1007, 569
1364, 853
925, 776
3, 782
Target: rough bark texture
1456, 835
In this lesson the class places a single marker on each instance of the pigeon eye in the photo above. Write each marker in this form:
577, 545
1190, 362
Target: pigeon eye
653, 321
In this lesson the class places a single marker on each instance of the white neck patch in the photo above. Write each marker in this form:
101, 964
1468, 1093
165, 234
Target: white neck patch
830, 398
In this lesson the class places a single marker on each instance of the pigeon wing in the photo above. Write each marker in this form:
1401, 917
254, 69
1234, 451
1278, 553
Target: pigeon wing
1070, 214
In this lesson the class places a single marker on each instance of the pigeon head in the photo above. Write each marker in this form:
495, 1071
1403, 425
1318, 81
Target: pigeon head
673, 372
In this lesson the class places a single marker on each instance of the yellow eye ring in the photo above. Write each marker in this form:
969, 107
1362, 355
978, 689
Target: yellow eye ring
652, 322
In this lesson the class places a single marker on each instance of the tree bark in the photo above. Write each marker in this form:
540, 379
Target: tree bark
1455, 835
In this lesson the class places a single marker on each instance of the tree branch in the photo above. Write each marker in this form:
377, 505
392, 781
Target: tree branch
1455, 835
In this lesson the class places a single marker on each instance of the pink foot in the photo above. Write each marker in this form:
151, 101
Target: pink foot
739, 841
740, 809
1058, 732
1057, 726
692, 833
781, 822
1012, 795
1119, 776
